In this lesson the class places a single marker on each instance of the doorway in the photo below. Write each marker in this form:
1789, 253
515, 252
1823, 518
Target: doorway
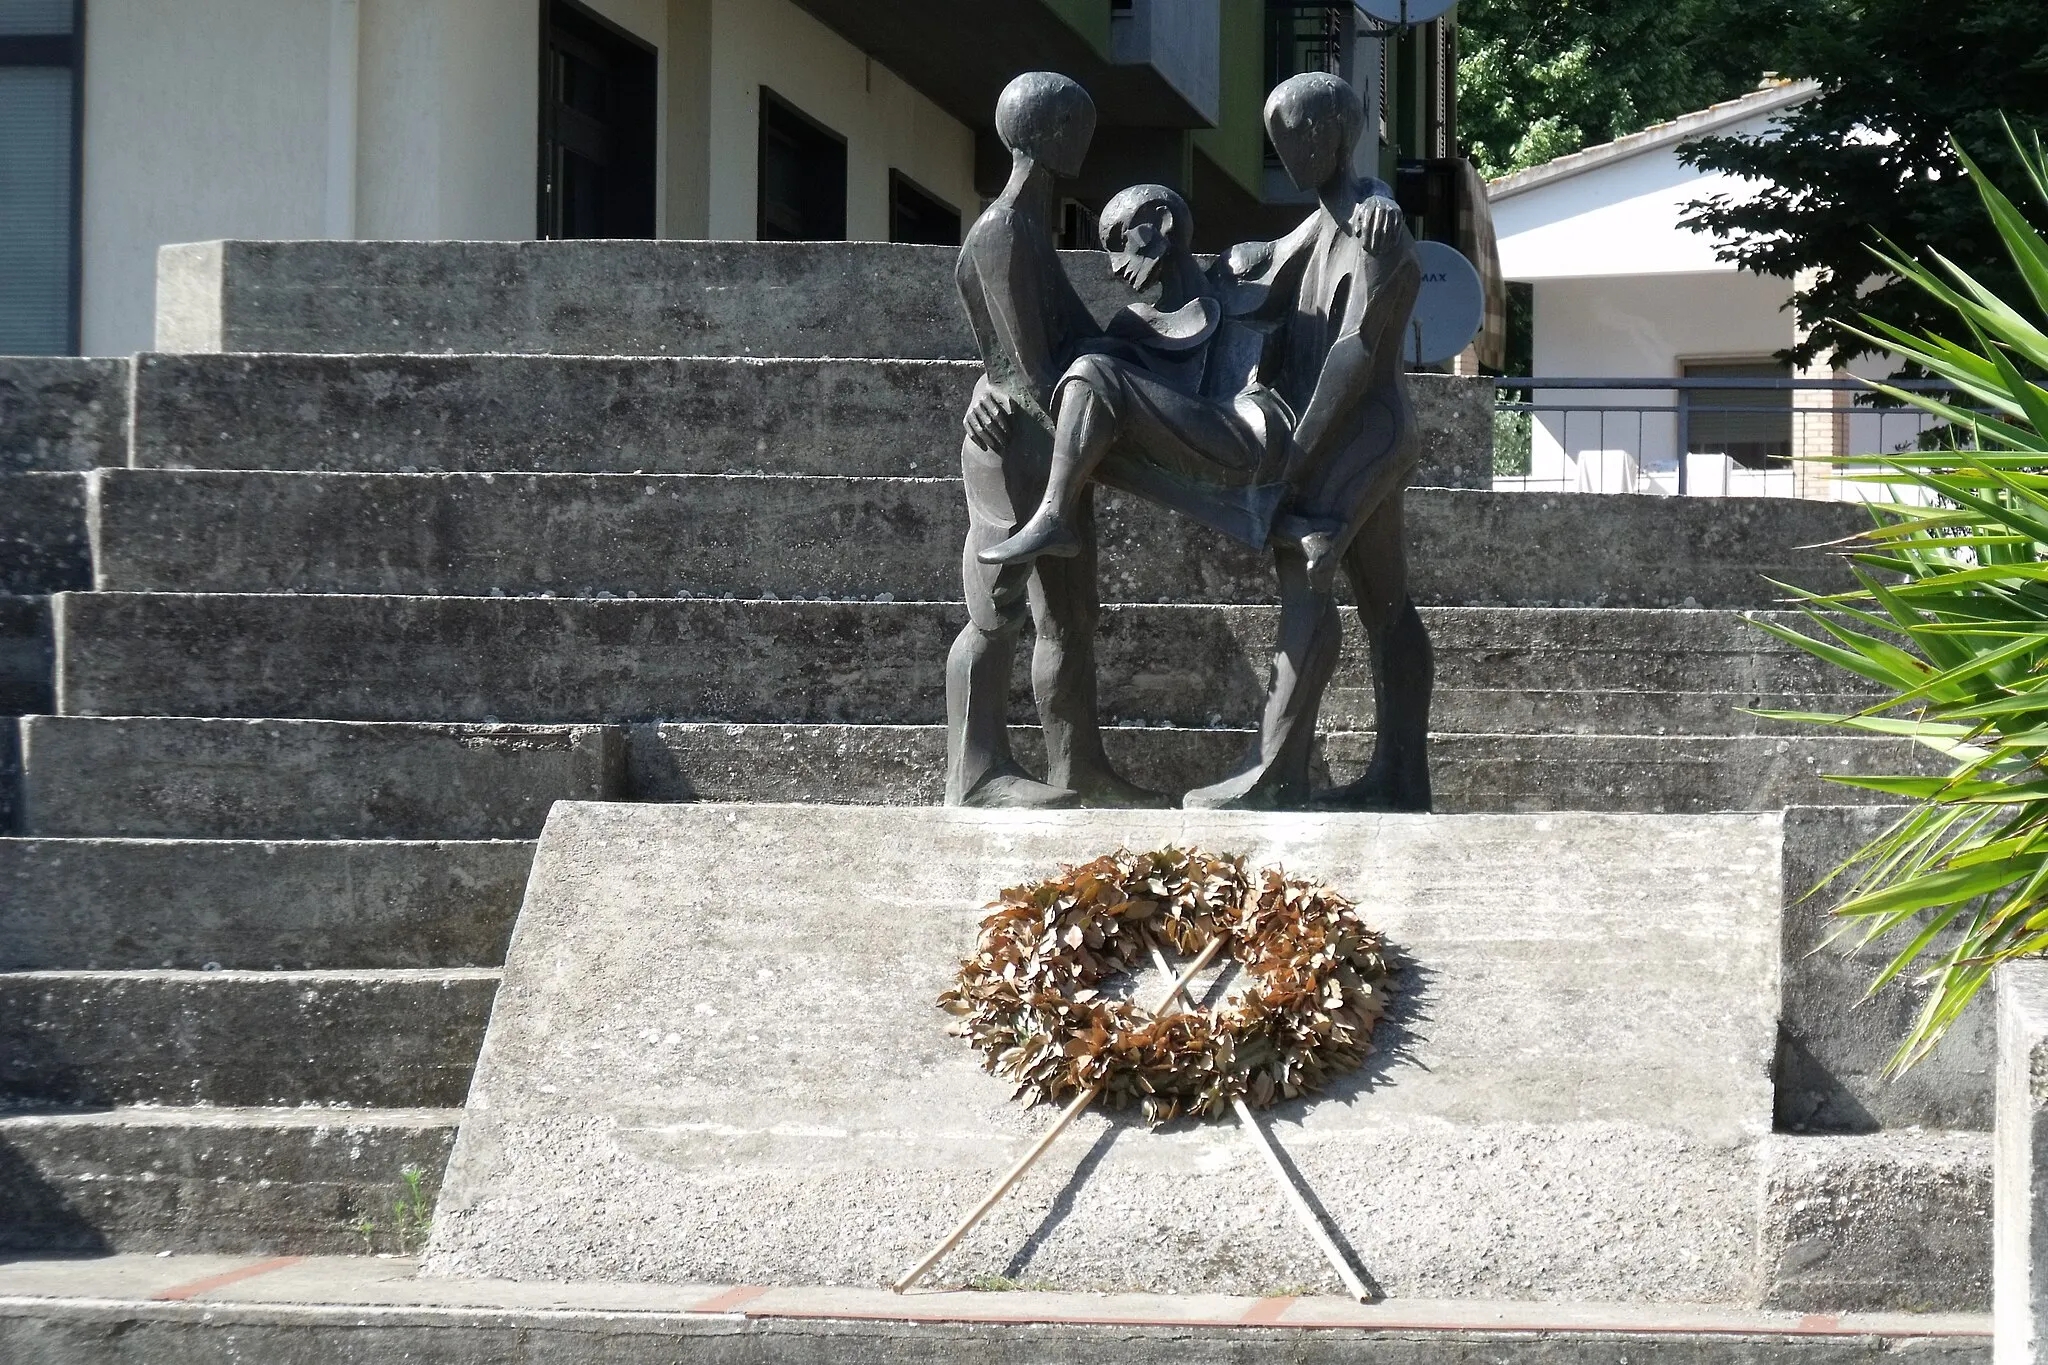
597, 127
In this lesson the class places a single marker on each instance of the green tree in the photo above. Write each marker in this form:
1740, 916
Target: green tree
1538, 79
1869, 157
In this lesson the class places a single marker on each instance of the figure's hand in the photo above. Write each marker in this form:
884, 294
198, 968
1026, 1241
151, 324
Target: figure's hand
1377, 223
988, 420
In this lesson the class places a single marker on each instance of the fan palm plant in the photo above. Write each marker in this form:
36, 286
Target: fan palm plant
1951, 620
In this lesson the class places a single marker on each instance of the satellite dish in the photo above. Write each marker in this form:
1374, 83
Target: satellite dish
1406, 11
1449, 307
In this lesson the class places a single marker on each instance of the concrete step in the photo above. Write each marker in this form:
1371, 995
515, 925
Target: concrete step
193, 1179
43, 542
636, 414
810, 537
360, 1039
578, 298
183, 1310
1898, 1220
246, 904
570, 660
181, 777
166, 777
62, 413
1472, 773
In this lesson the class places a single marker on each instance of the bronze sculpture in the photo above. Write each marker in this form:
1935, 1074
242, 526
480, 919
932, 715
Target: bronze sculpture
1264, 397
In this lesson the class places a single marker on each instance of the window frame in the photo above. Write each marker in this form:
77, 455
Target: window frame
66, 51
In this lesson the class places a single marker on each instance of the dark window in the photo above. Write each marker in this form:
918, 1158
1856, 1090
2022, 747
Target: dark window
1753, 426
597, 122
915, 216
40, 53
802, 176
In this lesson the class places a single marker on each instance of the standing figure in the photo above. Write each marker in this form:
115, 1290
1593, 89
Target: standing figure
1269, 400
1030, 325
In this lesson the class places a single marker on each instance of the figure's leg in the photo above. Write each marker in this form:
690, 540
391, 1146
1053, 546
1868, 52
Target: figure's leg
1084, 428
1304, 657
1403, 669
1103, 405
1065, 609
980, 769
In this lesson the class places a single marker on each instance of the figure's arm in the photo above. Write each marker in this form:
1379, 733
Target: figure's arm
1374, 323
1020, 313
1258, 280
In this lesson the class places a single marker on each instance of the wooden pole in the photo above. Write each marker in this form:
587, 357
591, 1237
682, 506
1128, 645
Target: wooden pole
1296, 1200
1072, 1112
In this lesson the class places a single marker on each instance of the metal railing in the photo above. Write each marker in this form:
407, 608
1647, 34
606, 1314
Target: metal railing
1708, 437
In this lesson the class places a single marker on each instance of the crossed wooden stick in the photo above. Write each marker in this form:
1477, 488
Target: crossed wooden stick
1176, 999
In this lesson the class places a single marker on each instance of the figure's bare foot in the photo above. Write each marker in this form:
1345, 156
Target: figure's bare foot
1046, 534
1016, 791
1103, 789
1253, 789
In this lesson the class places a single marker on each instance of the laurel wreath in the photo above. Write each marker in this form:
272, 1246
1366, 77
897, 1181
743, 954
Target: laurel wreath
1314, 981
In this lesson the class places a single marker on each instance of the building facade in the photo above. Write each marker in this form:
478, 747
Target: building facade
1618, 288
126, 124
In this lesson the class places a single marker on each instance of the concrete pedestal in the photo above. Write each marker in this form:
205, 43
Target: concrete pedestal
2020, 1160
716, 1058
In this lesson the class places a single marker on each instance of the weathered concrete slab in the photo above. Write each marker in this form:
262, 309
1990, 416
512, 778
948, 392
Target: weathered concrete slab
697, 1028
195, 1179
391, 1039
2020, 1165
1831, 1064
43, 543
645, 414
578, 298
187, 777
62, 413
134, 1310
903, 765
567, 660
811, 537
1898, 1221
553, 414
143, 904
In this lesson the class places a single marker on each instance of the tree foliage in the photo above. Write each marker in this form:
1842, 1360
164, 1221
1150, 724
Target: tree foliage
1538, 79
1870, 156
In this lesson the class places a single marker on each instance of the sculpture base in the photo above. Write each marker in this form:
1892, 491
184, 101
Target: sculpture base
716, 1058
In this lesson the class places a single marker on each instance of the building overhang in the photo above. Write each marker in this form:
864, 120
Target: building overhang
961, 53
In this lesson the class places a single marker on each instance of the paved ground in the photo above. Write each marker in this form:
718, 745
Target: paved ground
367, 1283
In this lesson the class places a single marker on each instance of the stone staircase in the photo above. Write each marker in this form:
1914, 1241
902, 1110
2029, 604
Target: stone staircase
398, 543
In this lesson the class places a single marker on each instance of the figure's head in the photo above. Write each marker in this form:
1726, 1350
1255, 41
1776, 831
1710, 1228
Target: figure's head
1142, 227
1315, 121
1046, 117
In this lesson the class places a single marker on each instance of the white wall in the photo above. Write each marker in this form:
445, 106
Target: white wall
884, 121
1617, 218
448, 120
419, 119
201, 121
1639, 327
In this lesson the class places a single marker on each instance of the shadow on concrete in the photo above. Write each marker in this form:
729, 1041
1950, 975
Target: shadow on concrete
37, 1220
1811, 1098
1393, 1049
1063, 1204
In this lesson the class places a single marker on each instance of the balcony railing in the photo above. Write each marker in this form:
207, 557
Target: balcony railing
1720, 437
